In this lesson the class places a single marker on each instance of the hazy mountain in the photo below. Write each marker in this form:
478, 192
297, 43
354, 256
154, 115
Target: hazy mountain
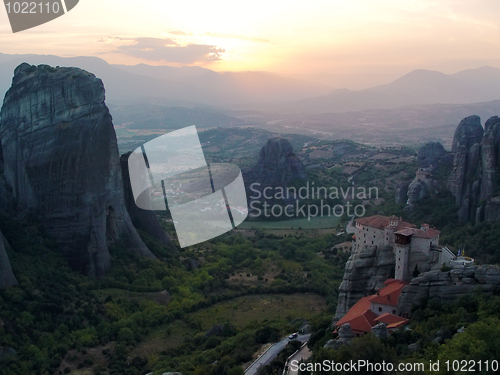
163, 71
188, 86
415, 88
120, 86
259, 87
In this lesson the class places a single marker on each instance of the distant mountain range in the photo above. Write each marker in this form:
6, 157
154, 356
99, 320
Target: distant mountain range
196, 86
187, 86
415, 88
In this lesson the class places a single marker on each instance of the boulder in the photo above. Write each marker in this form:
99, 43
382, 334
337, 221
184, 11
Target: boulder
7, 353
380, 330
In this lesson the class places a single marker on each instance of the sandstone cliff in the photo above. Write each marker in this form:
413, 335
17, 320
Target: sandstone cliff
365, 273
7, 277
450, 285
474, 180
142, 219
60, 159
276, 167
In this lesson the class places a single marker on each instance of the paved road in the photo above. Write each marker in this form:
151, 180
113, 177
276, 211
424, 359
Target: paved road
303, 353
271, 353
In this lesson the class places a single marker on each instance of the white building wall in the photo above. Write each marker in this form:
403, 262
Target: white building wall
368, 236
420, 244
379, 309
402, 259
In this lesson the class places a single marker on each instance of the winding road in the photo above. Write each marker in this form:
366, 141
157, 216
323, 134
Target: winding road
271, 353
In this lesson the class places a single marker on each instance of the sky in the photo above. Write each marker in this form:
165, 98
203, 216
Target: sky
335, 37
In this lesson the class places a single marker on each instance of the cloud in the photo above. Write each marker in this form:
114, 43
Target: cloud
178, 32
231, 36
156, 49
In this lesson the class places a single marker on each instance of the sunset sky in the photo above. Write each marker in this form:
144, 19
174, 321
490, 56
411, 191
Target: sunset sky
288, 37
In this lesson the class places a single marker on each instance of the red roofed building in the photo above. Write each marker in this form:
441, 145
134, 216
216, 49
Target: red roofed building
412, 247
380, 307
360, 317
386, 299
393, 321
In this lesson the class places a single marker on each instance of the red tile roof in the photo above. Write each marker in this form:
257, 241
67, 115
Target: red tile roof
429, 233
381, 222
391, 319
389, 294
361, 318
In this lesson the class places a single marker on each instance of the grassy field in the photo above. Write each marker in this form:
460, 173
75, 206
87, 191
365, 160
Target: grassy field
240, 312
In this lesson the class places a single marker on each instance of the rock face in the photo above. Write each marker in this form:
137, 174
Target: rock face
432, 154
7, 277
61, 163
365, 272
402, 193
416, 191
277, 166
474, 180
450, 285
142, 219
380, 330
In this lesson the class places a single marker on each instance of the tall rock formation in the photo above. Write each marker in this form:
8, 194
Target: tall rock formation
276, 167
365, 273
142, 219
7, 277
60, 159
475, 179
432, 154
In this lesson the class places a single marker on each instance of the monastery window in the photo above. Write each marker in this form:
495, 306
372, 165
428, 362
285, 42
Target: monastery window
379, 309
372, 242
394, 312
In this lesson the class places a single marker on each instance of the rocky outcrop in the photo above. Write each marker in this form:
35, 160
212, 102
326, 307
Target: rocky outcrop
468, 133
61, 163
474, 180
7, 277
380, 330
449, 285
142, 219
345, 337
402, 193
365, 273
416, 191
7, 353
432, 154
277, 166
